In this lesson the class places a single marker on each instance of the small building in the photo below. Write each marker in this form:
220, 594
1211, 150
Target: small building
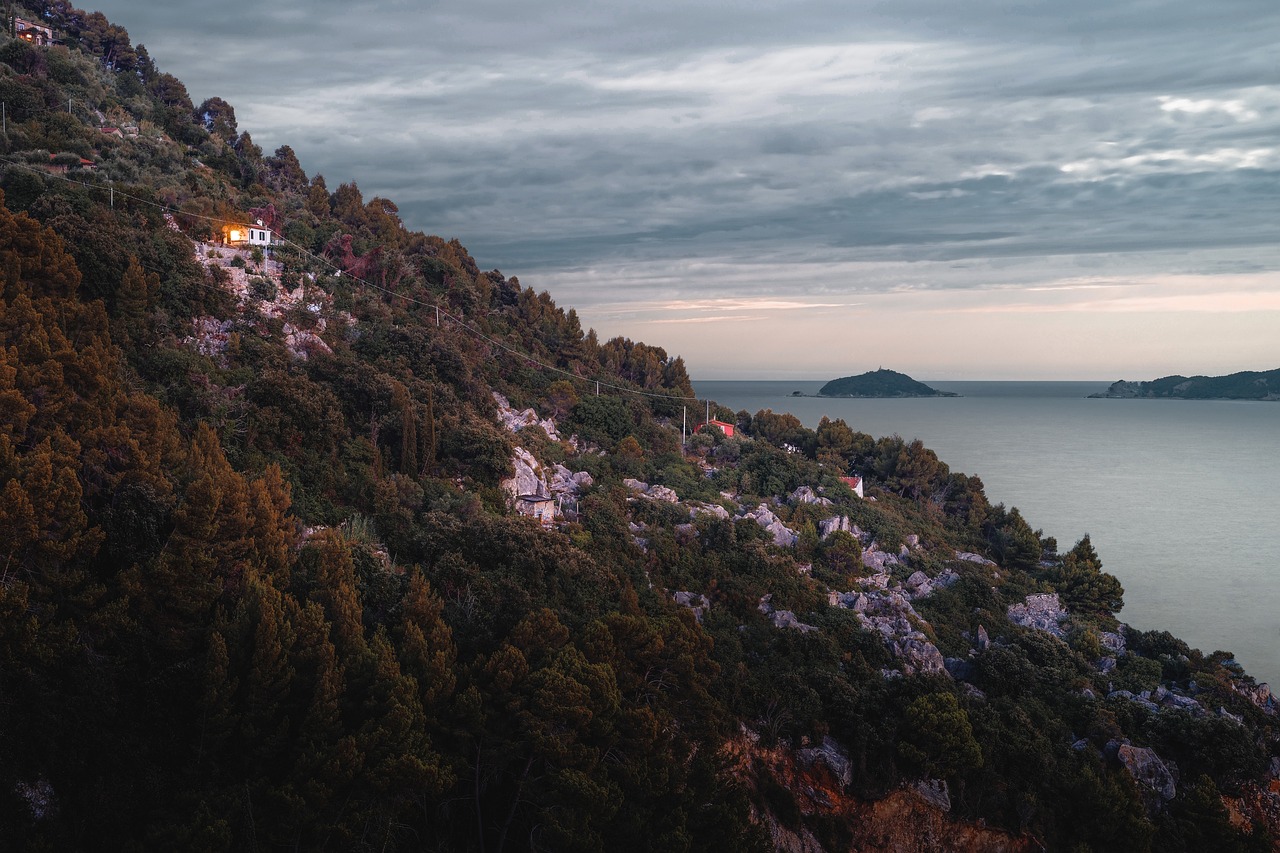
854, 483
29, 31
723, 426
112, 131
541, 507
235, 234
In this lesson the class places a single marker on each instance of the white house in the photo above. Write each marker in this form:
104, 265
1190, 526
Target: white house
247, 235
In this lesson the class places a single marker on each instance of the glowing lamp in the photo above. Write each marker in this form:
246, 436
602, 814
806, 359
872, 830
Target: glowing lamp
235, 235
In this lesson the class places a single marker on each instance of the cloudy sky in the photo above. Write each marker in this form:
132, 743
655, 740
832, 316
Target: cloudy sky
990, 189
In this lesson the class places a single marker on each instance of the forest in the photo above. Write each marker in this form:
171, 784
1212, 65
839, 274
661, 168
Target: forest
265, 583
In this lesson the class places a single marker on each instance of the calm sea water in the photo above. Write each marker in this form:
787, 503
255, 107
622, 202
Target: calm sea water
1181, 497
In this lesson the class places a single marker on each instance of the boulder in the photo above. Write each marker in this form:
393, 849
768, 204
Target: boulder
973, 558
527, 479
830, 525
1043, 612
782, 535
878, 561
1148, 770
831, 755
783, 618
806, 495
662, 493
984, 642
699, 603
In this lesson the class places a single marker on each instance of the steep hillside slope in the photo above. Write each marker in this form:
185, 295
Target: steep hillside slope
340, 541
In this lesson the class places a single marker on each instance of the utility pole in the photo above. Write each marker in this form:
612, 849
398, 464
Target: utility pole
597, 387
112, 189
684, 422
708, 411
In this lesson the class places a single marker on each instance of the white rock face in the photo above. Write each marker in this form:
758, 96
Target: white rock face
528, 479
782, 535
831, 754
714, 510
1044, 612
699, 604
783, 618
836, 523
516, 421
806, 495
891, 615
1148, 770
973, 558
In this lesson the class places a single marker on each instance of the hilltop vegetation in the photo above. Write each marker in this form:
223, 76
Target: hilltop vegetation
880, 383
263, 584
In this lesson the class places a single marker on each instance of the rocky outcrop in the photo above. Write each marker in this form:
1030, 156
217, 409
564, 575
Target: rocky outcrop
1259, 694
1148, 771
566, 482
806, 495
527, 479
891, 615
782, 535
878, 561
783, 618
699, 603
920, 585
973, 558
713, 510
516, 421
907, 821
1043, 612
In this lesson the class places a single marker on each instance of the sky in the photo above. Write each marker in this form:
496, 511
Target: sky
1020, 189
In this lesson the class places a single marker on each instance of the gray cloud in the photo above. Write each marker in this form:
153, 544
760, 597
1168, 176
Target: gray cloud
622, 151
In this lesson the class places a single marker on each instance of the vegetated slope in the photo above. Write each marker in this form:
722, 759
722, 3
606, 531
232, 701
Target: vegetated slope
880, 383
1246, 385
263, 585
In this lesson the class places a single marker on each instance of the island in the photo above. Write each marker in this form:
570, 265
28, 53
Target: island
880, 383
1245, 385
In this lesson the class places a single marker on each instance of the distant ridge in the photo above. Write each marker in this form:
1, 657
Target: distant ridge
1245, 385
880, 383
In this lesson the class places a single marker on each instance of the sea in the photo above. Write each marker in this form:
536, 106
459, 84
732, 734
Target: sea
1180, 497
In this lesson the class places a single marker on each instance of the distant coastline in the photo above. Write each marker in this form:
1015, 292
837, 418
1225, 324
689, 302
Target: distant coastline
1245, 385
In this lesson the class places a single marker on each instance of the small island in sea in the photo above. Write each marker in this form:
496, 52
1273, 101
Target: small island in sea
880, 383
1245, 385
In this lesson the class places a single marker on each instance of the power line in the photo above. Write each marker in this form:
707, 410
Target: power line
440, 312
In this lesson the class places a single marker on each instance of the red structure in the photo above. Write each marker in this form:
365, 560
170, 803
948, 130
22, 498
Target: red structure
726, 428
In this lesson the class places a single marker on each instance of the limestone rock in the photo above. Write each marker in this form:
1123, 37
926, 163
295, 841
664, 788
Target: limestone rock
984, 642
1043, 612
782, 535
713, 510
699, 604
1148, 770
878, 561
527, 479
934, 791
806, 495
832, 756
830, 525
783, 618
662, 493
973, 558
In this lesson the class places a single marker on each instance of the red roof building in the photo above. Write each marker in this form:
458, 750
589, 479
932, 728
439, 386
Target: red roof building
854, 483
726, 428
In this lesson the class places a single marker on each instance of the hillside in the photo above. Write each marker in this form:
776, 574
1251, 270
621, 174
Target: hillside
1246, 385
337, 540
880, 383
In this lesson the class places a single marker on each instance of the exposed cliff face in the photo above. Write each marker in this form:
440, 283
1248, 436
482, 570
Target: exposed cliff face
824, 819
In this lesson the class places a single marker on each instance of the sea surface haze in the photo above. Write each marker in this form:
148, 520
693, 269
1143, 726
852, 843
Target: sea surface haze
1180, 497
